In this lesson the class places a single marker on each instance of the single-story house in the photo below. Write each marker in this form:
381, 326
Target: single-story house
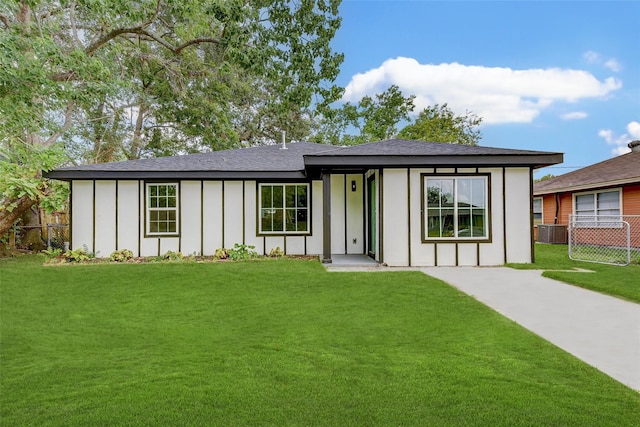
607, 189
404, 203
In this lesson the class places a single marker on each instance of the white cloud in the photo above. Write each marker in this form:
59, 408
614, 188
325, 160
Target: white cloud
634, 129
497, 94
613, 65
619, 143
575, 115
592, 57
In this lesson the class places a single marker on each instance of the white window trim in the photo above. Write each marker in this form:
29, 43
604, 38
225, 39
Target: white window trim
487, 209
541, 210
596, 215
148, 209
284, 232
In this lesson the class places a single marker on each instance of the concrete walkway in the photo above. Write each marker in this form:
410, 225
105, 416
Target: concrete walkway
600, 330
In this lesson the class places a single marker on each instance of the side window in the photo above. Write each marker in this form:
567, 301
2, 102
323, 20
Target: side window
162, 209
284, 209
537, 211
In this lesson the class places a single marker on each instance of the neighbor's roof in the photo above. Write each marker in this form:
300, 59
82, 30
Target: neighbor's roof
619, 170
302, 158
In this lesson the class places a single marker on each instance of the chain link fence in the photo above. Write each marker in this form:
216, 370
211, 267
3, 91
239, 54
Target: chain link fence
610, 239
58, 236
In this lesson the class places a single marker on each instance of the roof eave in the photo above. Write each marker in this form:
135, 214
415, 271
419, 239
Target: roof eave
332, 161
68, 175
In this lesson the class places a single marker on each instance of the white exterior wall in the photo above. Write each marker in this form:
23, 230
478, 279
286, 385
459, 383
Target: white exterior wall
190, 209
338, 223
212, 215
518, 213
215, 214
395, 217
128, 216
355, 214
401, 249
314, 241
105, 218
493, 253
82, 220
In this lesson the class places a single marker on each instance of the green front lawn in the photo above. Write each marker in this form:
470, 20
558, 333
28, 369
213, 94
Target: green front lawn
623, 282
277, 342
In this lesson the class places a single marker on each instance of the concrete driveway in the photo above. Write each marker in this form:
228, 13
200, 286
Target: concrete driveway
600, 330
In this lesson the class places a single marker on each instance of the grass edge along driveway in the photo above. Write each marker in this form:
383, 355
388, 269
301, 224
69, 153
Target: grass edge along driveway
617, 281
277, 342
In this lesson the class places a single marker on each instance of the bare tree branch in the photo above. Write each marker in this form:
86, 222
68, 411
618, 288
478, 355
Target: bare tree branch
68, 115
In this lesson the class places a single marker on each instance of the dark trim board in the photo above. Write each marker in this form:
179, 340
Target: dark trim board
504, 215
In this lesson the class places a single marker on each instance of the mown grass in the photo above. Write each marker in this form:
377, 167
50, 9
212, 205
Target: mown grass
618, 281
278, 342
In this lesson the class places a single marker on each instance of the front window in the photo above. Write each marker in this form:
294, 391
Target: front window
284, 208
162, 209
456, 207
537, 211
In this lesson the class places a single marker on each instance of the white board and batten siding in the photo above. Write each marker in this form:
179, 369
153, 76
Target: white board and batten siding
402, 243
109, 215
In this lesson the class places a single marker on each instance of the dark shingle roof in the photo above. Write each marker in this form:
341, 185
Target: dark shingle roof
262, 161
303, 158
619, 170
399, 152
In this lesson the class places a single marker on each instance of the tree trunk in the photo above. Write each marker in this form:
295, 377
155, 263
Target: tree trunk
7, 219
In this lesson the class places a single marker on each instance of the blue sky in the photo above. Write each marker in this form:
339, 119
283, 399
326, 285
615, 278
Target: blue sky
544, 75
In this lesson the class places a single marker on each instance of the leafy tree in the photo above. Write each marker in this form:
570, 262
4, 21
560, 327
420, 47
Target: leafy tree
116, 79
438, 123
374, 119
544, 178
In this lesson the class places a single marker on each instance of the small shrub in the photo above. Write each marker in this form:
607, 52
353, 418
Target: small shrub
53, 253
121, 255
276, 252
221, 253
242, 252
76, 255
173, 256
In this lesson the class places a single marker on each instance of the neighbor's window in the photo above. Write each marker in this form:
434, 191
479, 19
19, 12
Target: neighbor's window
456, 207
598, 207
284, 208
162, 209
537, 211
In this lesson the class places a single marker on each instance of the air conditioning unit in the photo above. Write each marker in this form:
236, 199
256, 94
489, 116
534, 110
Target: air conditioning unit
552, 233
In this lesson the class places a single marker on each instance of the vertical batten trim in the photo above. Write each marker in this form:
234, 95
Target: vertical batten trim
70, 215
477, 254
117, 214
504, 214
201, 217
222, 205
326, 217
285, 245
435, 254
364, 213
93, 238
381, 215
409, 215
140, 203
244, 213
180, 216
532, 243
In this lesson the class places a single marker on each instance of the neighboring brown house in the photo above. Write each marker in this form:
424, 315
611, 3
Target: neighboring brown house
611, 187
